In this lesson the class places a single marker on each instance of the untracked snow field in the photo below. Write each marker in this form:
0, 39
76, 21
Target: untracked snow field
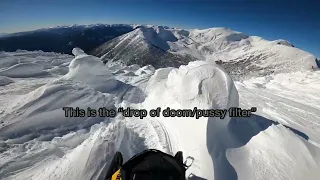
281, 141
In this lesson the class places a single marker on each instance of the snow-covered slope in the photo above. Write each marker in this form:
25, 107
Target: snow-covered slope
37, 141
240, 54
291, 98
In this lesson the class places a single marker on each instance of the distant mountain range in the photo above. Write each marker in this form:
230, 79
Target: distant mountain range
64, 38
3, 34
161, 46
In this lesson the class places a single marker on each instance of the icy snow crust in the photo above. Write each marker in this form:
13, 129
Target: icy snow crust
38, 142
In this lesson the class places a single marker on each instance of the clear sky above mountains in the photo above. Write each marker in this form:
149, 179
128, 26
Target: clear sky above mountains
297, 20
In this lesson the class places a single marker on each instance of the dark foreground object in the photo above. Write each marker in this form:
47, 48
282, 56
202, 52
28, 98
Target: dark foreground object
148, 165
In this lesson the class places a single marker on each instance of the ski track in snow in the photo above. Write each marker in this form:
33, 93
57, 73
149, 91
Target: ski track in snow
219, 149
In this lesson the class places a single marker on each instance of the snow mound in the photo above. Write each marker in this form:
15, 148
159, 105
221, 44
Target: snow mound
5, 80
91, 71
199, 84
24, 70
78, 51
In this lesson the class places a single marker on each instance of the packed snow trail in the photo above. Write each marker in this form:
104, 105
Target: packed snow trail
38, 142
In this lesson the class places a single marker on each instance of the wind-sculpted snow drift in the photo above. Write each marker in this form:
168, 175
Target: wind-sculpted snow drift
91, 71
202, 85
37, 141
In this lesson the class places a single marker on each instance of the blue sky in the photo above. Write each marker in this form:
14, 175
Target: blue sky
297, 20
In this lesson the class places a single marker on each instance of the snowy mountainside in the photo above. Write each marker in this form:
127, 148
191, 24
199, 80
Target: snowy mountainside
37, 141
135, 48
240, 54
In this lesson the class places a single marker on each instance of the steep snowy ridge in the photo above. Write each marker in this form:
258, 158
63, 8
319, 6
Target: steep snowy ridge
240, 54
142, 46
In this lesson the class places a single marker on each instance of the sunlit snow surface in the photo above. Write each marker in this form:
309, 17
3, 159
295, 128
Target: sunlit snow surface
38, 142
